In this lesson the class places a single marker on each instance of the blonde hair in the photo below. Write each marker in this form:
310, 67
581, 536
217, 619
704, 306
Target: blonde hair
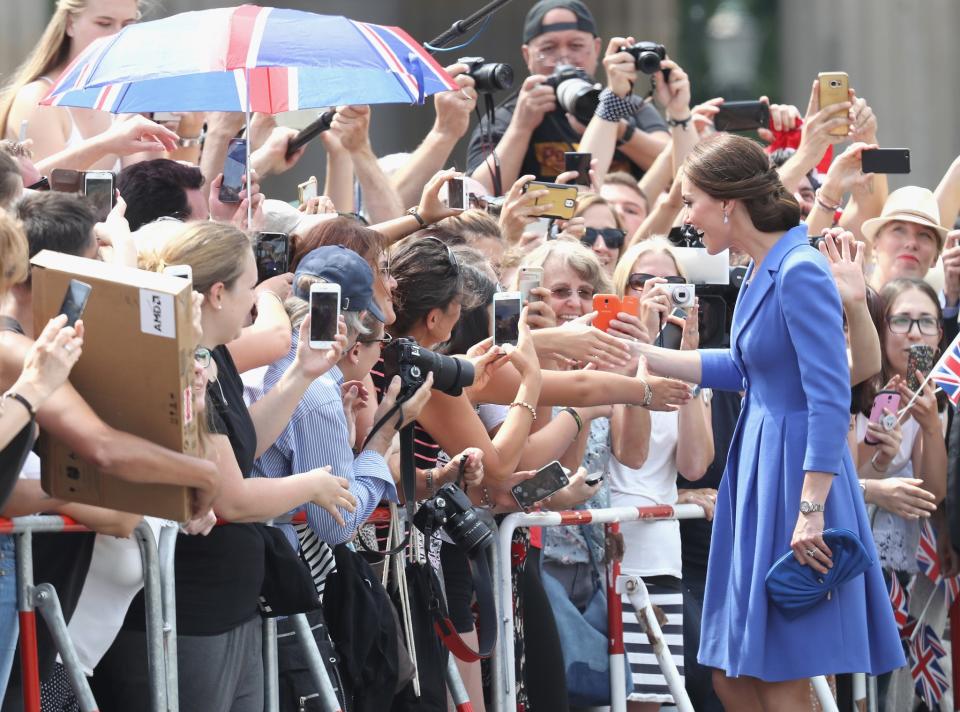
216, 252
14, 252
658, 245
573, 255
51, 51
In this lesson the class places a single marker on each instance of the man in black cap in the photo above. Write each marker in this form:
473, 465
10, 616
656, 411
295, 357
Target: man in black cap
530, 131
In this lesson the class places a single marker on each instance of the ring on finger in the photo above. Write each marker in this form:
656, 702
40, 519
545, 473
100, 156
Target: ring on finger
810, 552
68, 348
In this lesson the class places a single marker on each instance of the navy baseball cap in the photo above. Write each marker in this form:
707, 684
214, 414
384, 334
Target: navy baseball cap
533, 24
337, 264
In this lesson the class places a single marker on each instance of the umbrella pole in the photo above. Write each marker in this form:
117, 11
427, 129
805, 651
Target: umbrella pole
246, 132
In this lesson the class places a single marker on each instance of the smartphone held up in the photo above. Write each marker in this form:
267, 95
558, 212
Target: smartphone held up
234, 169
324, 314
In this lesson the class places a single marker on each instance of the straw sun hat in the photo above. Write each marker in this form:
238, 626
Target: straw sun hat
909, 204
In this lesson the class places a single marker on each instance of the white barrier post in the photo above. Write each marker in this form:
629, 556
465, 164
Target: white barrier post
824, 694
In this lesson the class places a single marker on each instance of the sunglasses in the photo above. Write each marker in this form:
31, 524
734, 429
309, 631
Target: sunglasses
384, 341
612, 237
454, 265
638, 279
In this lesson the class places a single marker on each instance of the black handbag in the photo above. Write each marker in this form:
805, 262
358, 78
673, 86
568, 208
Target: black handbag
288, 587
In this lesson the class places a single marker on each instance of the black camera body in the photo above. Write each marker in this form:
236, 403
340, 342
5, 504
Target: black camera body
488, 77
406, 358
451, 510
647, 56
577, 92
685, 235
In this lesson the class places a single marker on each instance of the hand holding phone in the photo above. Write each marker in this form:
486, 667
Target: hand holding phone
579, 162
548, 480
506, 318
561, 199
307, 190
742, 116
884, 412
324, 314
834, 89
75, 301
920, 358
530, 278
272, 252
234, 170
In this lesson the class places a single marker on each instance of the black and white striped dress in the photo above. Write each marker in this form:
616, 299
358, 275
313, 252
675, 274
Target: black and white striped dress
649, 684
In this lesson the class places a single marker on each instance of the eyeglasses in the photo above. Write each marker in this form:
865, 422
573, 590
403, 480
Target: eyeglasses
563, 293
384, 341
574, 54
385, 266
902, 324
612, 237
638, 279
202, 356
454, 265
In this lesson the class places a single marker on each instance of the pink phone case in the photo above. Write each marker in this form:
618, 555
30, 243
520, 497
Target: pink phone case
884, 400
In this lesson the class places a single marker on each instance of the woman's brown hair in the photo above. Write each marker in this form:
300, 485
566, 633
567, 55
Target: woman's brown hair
340, 231
728, 167
14, 252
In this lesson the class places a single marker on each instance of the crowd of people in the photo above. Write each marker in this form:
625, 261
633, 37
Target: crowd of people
755, 399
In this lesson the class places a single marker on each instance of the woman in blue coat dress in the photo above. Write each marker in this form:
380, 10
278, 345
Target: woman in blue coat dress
789, 473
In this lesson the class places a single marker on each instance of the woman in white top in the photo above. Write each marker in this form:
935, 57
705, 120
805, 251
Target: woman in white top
679, 441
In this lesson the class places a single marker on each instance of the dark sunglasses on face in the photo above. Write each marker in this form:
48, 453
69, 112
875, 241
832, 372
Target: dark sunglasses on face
384, 341
612, 237
638, 279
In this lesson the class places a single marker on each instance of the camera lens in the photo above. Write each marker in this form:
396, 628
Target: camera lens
494, 76
648, 62
680, 296
467, 531
578, 97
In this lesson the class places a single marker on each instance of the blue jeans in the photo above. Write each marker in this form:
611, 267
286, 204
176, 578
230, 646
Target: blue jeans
9, 623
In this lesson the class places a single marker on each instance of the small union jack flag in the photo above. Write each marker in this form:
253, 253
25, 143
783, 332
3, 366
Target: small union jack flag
906, 633
946, 374
928, 676
927, 558
898, 598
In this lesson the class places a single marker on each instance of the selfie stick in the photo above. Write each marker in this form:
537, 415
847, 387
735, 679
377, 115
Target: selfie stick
462, 27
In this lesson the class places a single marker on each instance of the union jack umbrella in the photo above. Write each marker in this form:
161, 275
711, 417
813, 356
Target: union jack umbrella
928, 675
289, 60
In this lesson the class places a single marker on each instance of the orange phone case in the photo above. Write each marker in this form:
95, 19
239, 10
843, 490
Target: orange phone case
833, 90
606, 306
630, 305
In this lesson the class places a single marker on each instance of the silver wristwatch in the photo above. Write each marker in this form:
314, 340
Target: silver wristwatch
810, 507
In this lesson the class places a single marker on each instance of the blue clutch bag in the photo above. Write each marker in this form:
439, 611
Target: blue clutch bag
795, 588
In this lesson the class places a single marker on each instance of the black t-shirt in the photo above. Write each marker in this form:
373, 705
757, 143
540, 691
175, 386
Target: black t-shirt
551, 139
219, 576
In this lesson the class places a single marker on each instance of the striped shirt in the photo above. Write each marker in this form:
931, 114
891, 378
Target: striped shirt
316, 436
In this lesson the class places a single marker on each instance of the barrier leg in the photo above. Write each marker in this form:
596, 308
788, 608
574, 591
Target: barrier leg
859, 692
496, 658
318, 671
271, 683
507, 701
873, 696
636, 591
824, 694
168, 600
46, 600
615, 649
156, 669
455, 685
29, 663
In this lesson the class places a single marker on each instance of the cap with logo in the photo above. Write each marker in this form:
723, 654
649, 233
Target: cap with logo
337, 264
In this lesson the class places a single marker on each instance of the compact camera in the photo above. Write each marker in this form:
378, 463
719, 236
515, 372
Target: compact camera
451, 510
577, 92
681, 295
646, 56
488, 77
406, 358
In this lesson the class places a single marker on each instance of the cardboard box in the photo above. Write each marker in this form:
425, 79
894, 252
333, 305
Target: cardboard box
135, 372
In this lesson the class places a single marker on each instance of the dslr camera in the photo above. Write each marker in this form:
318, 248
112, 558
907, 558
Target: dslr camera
681, 295
488, 76
647, 56
576, 91
406, 358
685, 235
451, 510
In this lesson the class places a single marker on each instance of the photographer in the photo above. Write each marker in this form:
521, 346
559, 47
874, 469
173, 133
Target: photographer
531, 131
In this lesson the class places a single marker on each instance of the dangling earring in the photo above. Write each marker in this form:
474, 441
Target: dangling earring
725, 218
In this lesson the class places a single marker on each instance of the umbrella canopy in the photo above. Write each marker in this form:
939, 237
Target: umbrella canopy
289, 59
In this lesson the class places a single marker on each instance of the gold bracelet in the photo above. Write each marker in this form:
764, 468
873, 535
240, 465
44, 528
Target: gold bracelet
533, 411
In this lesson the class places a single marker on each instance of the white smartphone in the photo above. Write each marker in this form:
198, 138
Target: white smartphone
182, 271
324, 313
457, 198
98, 190
506, 318
530, 278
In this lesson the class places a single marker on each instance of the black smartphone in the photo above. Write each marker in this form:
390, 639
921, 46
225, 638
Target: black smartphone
99, 192
579, 162
272, 251
506, 318
885, 160
66, 180
742, 116
593, 479
75, 301
234, 169
549, 479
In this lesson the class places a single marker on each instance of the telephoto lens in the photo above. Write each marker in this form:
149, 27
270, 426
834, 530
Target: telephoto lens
488, 77
406, 358
576, 91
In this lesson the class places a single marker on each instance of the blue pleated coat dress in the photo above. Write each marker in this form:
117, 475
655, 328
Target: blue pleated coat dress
787, 353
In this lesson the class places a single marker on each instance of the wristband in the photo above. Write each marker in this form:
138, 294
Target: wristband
29, 406
530, 408
613, 108
682, 123
430, 490
419, 218
818, 196
576, 417
189, 142
627, 134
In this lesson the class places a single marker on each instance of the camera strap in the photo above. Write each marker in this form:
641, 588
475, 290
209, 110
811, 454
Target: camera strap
487, 141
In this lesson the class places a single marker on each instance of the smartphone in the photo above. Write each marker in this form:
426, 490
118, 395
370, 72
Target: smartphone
307, 190
834, 90
885, 160
920, 359
671, 334
631, 305
549, 479
607, 306
593, 479
234, 169
579, 162
530, 278
562, 199
182, 271
324, 312
884, 400
457, 198
742, 116
99, 191
506, 318
75, 301
66, 180
272, 252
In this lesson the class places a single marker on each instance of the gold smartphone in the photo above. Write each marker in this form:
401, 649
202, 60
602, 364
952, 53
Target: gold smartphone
834, 90
307, 190
562, 199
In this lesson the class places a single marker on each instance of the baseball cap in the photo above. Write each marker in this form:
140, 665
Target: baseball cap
533, 24
337, 264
